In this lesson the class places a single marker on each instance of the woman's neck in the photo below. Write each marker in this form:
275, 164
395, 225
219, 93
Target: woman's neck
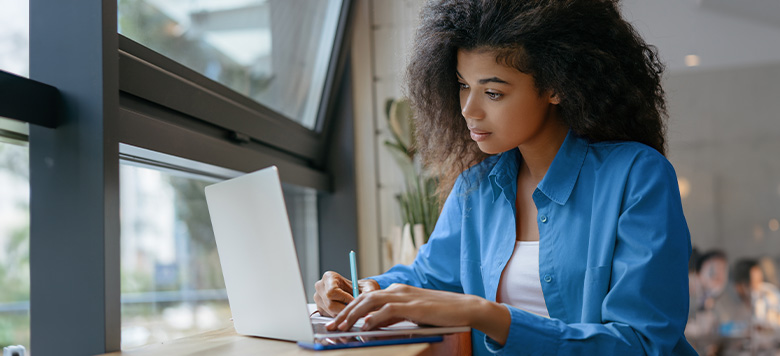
539, 153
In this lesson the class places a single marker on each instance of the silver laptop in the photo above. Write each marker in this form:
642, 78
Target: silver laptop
262, 275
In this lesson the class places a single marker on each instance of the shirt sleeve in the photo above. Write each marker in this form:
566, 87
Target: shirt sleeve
437, 265
646, 306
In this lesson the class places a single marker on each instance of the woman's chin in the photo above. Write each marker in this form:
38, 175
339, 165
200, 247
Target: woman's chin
490, 149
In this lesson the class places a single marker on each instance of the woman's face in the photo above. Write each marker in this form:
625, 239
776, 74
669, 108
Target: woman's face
714, 274
501, 105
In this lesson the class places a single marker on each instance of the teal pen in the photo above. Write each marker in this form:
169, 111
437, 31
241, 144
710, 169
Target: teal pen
353, 271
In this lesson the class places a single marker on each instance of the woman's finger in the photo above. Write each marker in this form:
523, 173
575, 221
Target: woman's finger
335, 300
380, 318
339, 319
368, 285
338, 295
333, 292
337, 281
368, 303
327, 307
320, 304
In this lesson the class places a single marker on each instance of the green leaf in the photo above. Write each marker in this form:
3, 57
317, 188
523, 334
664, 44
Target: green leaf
418, 202
400, 122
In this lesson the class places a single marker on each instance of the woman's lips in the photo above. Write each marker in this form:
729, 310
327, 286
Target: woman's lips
478, 135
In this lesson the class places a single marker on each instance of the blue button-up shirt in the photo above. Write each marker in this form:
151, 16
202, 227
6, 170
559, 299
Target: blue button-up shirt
613, 251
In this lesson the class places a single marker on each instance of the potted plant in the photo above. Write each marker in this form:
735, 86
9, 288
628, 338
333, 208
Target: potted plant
418, 203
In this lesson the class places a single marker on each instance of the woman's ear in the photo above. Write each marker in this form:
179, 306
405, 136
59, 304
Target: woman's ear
555, 99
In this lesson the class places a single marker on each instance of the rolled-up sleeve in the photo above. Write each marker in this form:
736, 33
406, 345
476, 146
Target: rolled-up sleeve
437, 263
645, 308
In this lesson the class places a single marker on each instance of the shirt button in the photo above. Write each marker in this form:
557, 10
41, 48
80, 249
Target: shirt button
547, 278
543, 218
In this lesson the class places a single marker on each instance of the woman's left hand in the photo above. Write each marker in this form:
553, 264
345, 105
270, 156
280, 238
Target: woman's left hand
402, 302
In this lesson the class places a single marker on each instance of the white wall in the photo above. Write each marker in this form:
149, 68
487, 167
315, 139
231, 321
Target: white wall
382, 38
724, 138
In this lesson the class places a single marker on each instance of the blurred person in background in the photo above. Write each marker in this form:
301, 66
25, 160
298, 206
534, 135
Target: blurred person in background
766, 303
713, 273
707, 280
767, 295
760, 301
770, 272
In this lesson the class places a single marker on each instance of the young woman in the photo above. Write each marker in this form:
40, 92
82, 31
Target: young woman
562, 231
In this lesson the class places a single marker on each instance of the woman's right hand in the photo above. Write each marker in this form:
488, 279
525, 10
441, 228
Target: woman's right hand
334, 292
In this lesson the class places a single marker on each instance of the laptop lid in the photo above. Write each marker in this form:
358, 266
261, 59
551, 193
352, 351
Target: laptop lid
257, 253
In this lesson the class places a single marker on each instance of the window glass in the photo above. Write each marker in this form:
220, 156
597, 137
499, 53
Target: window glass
172, 283
273, 51
15, 36
14, 244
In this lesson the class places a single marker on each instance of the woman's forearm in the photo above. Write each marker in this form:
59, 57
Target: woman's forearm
491, 318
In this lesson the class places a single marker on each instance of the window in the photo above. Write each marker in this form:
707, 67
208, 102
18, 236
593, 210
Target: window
276, 52
172, 284
14, 241
15, 36
14, 187
220, 108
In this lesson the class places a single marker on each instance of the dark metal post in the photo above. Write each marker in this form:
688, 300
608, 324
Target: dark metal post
337, 208
74, 181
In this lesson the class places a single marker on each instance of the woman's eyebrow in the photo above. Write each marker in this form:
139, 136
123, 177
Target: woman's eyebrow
486, 80
492, 80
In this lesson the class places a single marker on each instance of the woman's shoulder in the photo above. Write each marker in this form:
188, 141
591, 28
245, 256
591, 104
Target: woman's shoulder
630, 160
472, 177
626, 153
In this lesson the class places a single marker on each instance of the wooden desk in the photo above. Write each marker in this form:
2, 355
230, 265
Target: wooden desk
225, 342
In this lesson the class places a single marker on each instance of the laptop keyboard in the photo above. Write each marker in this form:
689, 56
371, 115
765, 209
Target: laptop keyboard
319, 328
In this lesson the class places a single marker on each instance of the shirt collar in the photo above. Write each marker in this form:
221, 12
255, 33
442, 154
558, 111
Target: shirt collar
559, 180
503, 176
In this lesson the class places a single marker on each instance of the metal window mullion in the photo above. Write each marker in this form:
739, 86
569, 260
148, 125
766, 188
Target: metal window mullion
74, 181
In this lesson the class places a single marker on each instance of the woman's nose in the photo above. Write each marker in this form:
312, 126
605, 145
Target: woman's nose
470, 108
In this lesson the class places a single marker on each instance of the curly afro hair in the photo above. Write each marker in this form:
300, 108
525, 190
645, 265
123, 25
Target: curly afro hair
607, 77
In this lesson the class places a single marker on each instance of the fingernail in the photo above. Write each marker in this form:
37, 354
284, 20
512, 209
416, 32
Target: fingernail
343, 326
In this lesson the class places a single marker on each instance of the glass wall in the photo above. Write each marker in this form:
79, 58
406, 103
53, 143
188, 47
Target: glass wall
273, 51
172, 283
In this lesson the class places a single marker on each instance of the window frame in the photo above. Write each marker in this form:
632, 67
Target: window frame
151, 76
107, 97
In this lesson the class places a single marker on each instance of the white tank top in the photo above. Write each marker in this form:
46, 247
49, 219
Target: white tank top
520, 285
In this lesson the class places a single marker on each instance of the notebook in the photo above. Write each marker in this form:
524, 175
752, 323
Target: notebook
260, 266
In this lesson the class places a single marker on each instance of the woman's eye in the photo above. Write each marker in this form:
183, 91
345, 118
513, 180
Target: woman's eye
463, 86
493, 96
